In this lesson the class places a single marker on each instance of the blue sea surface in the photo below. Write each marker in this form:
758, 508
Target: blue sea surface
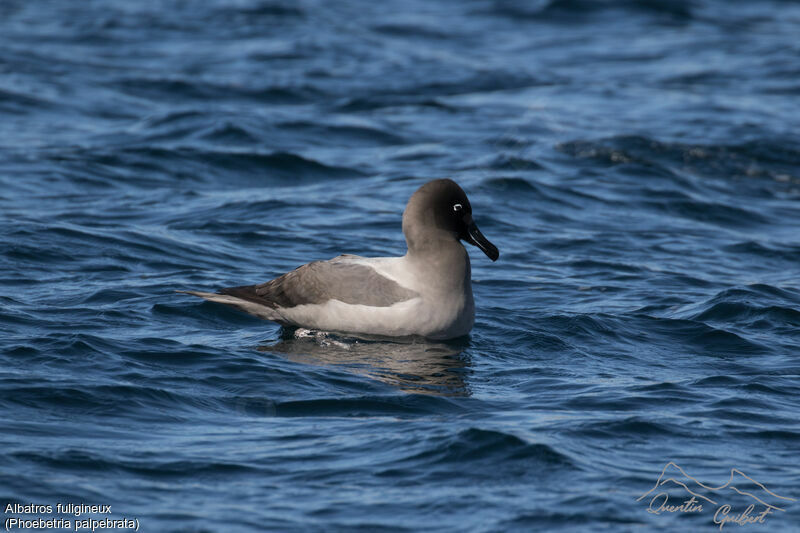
637, 163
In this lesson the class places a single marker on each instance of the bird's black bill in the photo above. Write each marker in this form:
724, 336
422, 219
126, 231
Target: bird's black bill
476, 238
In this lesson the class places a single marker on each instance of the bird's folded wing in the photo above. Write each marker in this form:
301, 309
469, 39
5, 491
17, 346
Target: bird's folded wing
320, 281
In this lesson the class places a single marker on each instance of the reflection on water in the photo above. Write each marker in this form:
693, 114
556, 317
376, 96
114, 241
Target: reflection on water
411, 364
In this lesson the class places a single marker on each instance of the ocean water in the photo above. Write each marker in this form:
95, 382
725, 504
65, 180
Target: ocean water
636, 163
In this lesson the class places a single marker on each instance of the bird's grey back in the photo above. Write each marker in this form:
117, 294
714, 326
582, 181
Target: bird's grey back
320, 281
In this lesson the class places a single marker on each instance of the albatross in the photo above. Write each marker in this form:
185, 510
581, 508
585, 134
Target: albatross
427, 292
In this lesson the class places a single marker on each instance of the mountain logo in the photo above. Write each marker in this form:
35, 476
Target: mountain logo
695, 497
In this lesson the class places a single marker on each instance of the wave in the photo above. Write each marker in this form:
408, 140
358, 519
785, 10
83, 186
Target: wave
148, 466
630, 428
145, 166
67, 243
430, 94
761, 306
368, 406
135, 402
399, 29
571, 11
229, 133
343, 134
761, 158
476, 446
263, 8
181, 90
723, 341
16, 103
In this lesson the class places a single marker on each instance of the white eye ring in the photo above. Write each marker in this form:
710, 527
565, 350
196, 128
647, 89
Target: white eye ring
457, 207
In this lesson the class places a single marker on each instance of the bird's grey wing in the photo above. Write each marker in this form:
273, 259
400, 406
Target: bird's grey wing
320, 281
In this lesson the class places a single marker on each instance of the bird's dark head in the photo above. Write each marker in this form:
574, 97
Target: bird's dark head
442, 207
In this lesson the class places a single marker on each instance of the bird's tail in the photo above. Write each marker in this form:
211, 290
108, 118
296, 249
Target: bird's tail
250, 307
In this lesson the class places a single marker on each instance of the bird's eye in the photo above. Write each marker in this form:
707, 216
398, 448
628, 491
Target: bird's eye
457, 208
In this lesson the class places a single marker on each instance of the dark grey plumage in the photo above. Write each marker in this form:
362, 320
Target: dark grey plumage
320, 281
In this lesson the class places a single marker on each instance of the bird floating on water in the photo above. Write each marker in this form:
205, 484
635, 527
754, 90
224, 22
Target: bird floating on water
427, 292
